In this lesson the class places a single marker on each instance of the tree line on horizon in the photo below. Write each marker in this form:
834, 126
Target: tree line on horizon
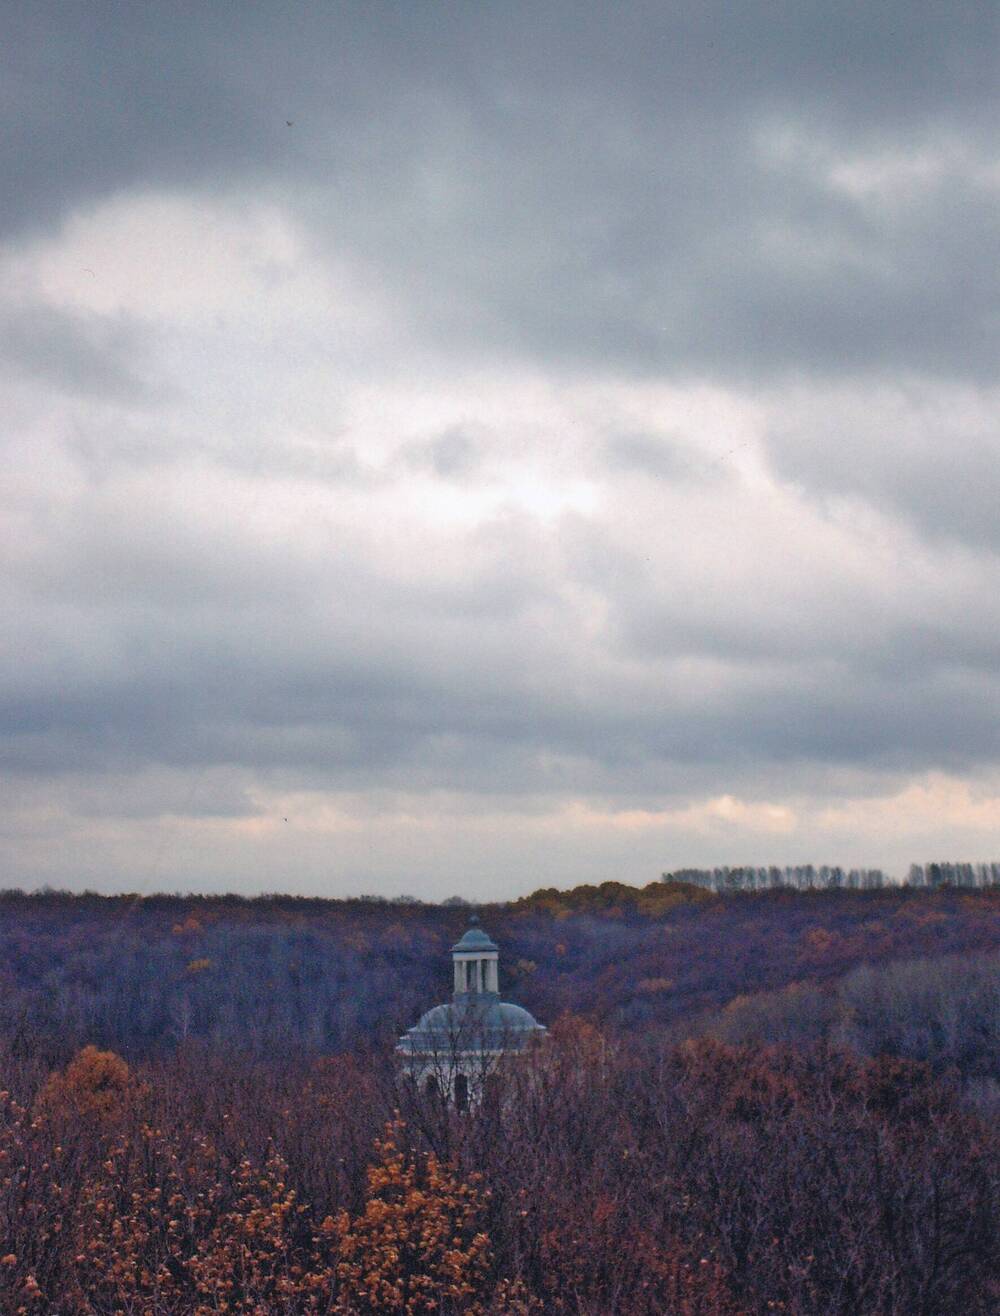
831, 877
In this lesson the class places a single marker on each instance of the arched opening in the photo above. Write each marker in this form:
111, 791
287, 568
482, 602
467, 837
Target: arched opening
461, 1092
492, 1093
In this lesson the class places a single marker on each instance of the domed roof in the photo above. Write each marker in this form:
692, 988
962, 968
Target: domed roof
475, 1020
474, 939
482, 1023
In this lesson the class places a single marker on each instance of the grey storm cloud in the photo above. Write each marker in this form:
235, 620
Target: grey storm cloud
514, 402
76, 354
562, 181
189, 653
932, 460
659, 457
451, 456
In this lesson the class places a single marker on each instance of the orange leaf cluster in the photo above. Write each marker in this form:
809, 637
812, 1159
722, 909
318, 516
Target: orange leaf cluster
417, 1246
94, 1084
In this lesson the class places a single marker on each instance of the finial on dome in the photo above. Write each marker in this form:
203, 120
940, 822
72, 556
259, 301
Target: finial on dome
473, 920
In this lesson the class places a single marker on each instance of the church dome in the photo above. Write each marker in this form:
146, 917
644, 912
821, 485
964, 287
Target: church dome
479, 1024
456, 1046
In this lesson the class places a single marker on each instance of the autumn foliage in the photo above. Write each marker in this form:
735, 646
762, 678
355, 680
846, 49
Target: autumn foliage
140, 975
94, 1085
698, 1179
820, 1141
417, 1245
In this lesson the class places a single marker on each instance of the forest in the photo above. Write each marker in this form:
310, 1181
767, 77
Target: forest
749, 1100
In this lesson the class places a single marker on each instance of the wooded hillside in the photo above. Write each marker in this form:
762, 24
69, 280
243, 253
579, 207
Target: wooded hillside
783, 1101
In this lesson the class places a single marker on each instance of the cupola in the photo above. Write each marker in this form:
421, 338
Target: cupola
476, 960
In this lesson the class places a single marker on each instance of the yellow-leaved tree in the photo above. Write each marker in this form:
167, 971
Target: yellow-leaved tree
418, 1246
96, 1084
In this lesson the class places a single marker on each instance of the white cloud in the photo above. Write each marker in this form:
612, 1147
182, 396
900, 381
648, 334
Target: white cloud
541, 474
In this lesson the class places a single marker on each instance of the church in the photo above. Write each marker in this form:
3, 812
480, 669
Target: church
456, 1047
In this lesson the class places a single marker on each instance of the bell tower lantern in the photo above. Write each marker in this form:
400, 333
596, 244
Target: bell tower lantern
475, 958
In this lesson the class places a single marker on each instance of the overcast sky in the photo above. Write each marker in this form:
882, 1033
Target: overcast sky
459, 448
